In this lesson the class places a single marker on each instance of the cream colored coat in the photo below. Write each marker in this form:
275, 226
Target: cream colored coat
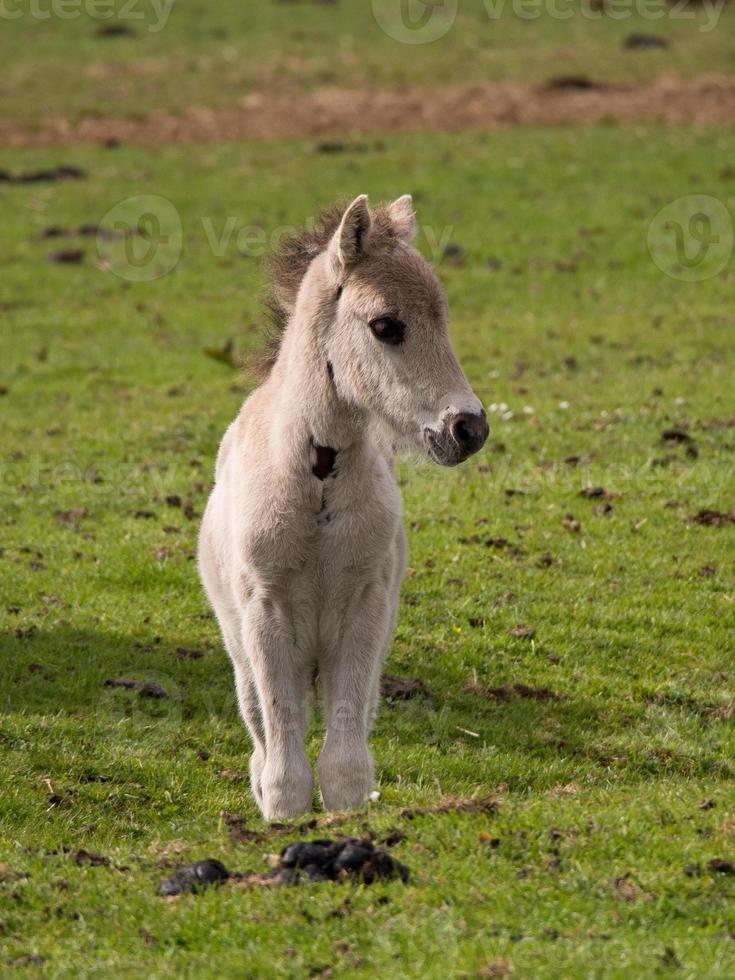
302, 550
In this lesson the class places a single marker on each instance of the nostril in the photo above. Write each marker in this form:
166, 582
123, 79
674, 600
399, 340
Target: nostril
470, 431
461, 432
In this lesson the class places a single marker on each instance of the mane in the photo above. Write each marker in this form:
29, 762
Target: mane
286, 267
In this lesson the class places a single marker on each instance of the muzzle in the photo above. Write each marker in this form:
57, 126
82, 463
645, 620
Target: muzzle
460, 436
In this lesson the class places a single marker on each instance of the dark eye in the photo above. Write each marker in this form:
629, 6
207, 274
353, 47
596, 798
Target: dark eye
388, 330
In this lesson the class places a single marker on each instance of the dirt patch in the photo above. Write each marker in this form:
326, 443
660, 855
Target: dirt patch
627, 888
713, 518
454, 804
184, 653
87, 857
578, 82
597, 493
146, 689
63, 172
522, 632
403, 688
676, 437
239, 830
722, 867
635, 42
571, 524
708, 100
71, 517
508, 691
66, 256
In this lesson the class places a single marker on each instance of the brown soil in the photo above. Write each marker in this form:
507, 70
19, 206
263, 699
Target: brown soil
709, 100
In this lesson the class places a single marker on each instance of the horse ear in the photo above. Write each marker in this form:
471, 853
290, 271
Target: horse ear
403, 217
349, 240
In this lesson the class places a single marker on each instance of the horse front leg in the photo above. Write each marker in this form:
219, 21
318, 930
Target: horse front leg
229, 616
350, 674
281, 673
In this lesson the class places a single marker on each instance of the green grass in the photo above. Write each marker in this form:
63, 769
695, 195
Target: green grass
111, 405
213, 55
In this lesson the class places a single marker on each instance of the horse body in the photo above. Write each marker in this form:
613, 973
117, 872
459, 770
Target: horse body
302, 548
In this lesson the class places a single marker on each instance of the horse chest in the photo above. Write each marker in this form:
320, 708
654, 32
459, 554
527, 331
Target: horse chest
355, 524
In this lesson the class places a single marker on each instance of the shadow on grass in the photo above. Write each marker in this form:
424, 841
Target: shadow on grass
571, 728
79, 671
534, 743
67, 672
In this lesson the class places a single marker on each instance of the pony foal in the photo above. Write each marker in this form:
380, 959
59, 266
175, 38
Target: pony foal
302, 547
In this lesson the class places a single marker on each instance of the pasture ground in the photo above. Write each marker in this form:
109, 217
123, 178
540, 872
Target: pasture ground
209, 56
111, 414
563, 783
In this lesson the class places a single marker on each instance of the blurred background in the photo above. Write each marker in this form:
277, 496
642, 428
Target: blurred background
70, 67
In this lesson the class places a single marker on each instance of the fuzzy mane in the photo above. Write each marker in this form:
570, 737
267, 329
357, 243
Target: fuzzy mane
287, 266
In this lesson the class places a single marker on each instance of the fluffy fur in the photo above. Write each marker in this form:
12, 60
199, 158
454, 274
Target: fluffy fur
305, 572
286, 268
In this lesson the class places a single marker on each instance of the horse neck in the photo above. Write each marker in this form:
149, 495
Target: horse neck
308, 406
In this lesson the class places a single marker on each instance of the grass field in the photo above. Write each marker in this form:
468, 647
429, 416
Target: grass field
612, 798
172, 56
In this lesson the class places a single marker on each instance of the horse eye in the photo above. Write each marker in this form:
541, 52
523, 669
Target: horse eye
388, 330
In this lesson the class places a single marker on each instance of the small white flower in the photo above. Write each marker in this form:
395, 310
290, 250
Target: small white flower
502, 407
527, 410
493, 407
507, 416
679, 400
563, 404
374, 796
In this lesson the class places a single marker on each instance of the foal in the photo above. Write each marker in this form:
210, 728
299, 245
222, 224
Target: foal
302, 547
